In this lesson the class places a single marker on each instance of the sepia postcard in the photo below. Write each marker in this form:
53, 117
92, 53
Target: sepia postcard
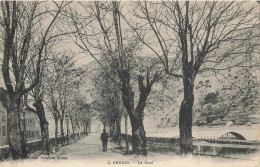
129, 83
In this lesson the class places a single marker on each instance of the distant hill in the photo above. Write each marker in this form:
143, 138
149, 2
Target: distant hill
238, 102
216, 102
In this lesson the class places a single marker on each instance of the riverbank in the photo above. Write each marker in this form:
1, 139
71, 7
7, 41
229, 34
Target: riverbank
248, 132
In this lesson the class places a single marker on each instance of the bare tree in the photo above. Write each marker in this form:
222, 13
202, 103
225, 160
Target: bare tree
22, 24
37, 94
52, 105
37, 107
109, 103
58, 86
84, 112
199, 37
120, 46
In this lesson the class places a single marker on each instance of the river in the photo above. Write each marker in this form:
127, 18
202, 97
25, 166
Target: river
249, 133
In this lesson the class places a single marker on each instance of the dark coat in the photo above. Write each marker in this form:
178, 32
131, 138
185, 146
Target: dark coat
104, 136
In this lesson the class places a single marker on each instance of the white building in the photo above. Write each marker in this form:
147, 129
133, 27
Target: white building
3, 125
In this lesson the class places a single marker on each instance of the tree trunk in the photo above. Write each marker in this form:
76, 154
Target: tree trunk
45, 136
110, 130
44, 126
118, 127
62, 131
16, 132
85, 127
78, 127
185, 117
56, 130
138, 135
126, 134
114, 134
89, 126
72, 125
136, 115
138, 132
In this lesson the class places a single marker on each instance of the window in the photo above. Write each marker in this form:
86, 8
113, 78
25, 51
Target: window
4, 131
3, 118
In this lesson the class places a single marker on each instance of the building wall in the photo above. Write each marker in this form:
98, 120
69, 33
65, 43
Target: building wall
32, 127
3, 125
52, 127
33, 130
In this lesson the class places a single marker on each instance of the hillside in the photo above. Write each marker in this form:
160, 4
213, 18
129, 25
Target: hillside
217, 101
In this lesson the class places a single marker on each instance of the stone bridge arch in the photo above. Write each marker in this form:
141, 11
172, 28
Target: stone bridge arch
232, 136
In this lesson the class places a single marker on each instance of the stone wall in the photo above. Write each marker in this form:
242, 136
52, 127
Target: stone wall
223, 148
159, 144
36, 145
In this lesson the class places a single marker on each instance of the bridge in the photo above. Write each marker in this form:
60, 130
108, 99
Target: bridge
245, 133
230, 144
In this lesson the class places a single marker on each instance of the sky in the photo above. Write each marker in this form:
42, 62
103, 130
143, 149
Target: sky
81, 58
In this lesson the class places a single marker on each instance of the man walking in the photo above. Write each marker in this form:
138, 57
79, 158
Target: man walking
104, 137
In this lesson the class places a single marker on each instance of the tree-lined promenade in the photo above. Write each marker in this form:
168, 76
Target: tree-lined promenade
133, 45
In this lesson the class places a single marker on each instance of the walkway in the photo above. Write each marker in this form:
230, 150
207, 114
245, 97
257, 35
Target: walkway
87, 152
90, 148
